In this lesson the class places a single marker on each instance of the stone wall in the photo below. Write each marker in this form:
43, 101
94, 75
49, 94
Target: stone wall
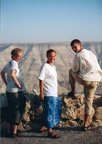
72, 111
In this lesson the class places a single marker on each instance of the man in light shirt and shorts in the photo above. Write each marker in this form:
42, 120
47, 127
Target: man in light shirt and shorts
87, 72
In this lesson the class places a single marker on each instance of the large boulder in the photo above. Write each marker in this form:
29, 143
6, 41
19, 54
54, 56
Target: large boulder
98, 113
68, 113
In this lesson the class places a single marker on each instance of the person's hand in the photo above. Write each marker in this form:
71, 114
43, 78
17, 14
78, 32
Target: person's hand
42, 98
20, 86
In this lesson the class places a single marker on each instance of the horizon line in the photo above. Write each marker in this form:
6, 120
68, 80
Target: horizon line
45, 42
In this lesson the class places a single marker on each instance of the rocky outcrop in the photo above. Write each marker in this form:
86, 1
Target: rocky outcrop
72, 111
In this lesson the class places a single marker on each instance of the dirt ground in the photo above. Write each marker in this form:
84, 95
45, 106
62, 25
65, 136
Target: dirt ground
67, 136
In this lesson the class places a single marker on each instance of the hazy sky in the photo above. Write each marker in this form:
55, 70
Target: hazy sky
50, 20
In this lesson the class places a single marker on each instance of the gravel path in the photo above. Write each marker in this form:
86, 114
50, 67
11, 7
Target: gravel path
68, 136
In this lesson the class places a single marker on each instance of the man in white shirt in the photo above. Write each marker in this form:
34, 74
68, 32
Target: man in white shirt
87, 72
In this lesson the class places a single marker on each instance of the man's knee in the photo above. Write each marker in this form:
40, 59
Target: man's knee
72, 80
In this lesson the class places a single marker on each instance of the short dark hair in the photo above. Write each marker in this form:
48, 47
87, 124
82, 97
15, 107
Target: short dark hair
49, 51
75, 41
15, 51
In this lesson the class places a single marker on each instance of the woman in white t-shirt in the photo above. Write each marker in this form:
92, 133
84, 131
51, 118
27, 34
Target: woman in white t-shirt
14, 91
48, 92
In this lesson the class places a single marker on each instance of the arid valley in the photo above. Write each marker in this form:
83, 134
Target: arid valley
34, 55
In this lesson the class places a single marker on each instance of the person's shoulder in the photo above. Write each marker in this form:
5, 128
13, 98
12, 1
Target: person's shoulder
88, 52
9, 63
13, 63
44, 66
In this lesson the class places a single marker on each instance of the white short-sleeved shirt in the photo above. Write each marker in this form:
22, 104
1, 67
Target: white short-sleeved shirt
11, 85
85, 62
49, 76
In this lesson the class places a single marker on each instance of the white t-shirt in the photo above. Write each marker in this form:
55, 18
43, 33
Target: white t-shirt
11, 85
49, 76
85, 62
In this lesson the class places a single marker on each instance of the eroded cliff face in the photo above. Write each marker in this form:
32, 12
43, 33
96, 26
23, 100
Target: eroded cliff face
34, 55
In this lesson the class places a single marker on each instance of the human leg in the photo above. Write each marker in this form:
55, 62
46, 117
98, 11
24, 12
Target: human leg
72, 82
89, 93
21, 103
86, 124
51, 114
43, 128
15, 113
9, 129
72, 93
15, 129
9, 115
73, 78
73, 88
52, 134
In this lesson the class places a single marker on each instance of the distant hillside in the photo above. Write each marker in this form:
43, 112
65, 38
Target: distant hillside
34, 55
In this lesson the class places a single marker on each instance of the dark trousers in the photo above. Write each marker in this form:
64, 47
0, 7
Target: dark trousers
16, 106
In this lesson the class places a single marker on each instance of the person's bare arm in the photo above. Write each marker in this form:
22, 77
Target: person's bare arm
41, 89
13, 75
3, 77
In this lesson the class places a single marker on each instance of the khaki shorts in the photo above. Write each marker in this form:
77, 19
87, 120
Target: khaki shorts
89, 89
